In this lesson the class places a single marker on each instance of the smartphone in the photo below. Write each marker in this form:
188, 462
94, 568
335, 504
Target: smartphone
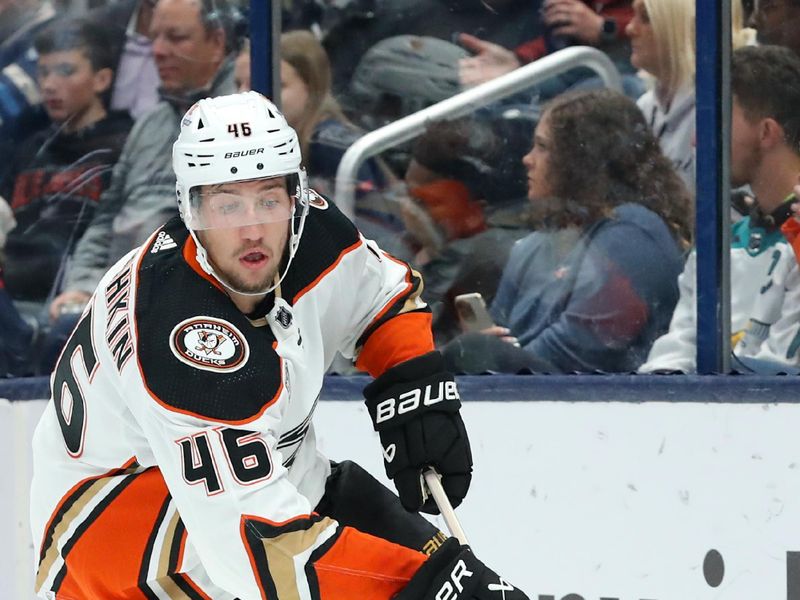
472, 312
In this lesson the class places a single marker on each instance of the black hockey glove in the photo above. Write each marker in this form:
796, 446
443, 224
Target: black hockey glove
453, 572
414, 408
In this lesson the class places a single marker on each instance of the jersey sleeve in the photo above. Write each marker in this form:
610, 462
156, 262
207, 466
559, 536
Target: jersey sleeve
381, 316
676, 350
773, 331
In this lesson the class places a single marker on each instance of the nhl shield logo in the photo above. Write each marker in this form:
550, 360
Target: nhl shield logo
284, 317
209, 344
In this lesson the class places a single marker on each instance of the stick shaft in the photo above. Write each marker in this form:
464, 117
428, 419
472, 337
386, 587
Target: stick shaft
443, 502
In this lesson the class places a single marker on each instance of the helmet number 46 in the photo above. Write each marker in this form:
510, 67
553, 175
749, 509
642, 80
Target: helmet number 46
234, 129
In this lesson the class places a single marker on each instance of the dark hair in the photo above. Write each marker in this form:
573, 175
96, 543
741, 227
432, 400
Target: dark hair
78, 34
603, 154
766, 82
464, 149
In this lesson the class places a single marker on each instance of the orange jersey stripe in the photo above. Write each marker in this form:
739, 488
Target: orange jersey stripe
190, 256
360, 565
401, 338
70, 496
193, 586
330, 268
106, 559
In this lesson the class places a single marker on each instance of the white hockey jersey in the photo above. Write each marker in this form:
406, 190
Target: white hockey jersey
177, 456
765, 300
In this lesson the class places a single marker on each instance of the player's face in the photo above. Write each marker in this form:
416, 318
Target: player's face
71, 88
248, 256
187, 56
644, 50
537, 162
745, 146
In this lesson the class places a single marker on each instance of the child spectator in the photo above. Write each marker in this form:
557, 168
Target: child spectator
58, 174
596, 284
765, 153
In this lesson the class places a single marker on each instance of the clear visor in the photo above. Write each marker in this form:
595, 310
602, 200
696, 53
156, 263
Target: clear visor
230, 206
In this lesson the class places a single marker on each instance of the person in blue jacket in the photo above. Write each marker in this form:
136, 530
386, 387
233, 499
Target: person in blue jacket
596, 283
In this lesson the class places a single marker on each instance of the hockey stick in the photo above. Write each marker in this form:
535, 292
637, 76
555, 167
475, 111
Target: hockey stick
432, 480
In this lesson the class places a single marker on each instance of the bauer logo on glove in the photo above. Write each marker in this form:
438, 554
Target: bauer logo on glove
415, 410
410, 401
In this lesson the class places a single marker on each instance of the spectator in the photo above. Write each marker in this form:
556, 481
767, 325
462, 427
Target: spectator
20, 110
361, 24
306, 100
135, 87
596, 284
58, 174
777, 22
7, 222
566, 23
662, 38
190, 46
742, 35
456, 214
791, 227
241, 68
16, 336
765, 153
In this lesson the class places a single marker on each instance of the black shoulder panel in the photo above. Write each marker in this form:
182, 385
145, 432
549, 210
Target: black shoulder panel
198, 353
327, 234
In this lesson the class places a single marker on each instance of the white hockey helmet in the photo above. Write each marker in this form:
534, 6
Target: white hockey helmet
234, 138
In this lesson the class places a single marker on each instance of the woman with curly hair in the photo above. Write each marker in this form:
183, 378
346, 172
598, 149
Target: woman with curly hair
596, 284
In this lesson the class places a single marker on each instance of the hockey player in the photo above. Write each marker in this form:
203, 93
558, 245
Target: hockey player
177, 457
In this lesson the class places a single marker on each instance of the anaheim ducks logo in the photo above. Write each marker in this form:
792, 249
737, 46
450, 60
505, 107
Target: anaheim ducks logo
209, 344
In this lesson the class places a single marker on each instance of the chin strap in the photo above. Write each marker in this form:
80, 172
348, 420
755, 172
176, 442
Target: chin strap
205, 264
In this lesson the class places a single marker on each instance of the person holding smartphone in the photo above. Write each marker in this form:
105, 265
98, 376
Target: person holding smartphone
595, 284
